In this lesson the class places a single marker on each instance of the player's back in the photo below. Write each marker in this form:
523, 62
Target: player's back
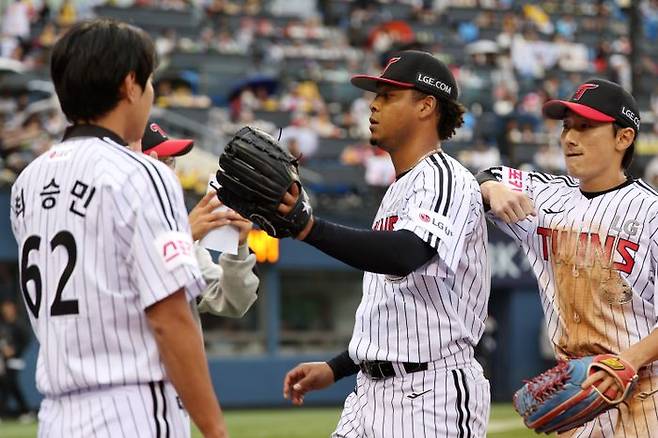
80, 214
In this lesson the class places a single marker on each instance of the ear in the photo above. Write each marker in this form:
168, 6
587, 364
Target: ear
130, 89
427, 106
624, 139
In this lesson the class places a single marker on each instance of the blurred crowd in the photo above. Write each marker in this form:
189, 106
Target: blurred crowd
509, 57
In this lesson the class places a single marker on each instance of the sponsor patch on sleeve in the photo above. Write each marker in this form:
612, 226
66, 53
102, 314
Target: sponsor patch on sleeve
431, 221
175, 249
514, 179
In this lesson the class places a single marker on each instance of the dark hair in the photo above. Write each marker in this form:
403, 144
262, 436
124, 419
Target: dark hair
628, 154
451, 115
90, 62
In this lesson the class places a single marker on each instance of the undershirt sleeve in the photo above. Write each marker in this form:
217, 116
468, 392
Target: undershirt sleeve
383, 252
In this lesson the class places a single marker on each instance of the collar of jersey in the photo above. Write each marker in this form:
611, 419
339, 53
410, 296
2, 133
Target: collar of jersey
92, 131
397, 177
592, 195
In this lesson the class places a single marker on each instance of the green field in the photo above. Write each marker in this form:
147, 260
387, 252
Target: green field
302, 423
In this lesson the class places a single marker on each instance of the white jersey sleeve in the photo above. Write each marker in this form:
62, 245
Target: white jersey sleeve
439, 210
520, 181
654, 267
162, 250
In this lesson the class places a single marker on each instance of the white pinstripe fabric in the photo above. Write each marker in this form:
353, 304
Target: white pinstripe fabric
456, 405
119, 412
119, 269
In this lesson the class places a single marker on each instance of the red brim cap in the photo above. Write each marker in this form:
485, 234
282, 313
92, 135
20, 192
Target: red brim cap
369, 83
557, 109
171, 148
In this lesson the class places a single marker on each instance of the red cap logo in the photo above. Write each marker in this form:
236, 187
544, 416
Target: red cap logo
582, 89
390, 62
156, 128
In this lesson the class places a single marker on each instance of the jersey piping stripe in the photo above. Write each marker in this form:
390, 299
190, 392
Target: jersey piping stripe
164, 407
157, 190
466, 400
440, 195
460, 412
646, 187
449, 184
155, 410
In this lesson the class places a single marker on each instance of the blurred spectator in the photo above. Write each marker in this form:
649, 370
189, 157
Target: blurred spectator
550, 159
300, 138
16, 20
480, 156
379, 170
651, 172
321, 123
14, 338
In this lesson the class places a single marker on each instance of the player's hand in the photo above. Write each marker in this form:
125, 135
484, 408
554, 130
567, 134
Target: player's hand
288, 203
243, 225
203, 218
306, 377
604, 383
506, 204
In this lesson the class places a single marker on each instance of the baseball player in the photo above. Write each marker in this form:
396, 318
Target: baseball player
426, 280
106, 259
592, 240
232, 284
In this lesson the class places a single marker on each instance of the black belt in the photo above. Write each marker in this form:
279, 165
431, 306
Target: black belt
382, 369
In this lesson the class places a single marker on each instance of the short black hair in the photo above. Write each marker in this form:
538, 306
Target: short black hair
90, 62
627, 159
451, 115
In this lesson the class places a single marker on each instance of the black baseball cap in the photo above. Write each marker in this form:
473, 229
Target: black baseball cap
413, 69
155, 139
599, 100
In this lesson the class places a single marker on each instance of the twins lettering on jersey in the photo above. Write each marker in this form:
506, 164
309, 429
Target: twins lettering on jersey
586, 248
386, 223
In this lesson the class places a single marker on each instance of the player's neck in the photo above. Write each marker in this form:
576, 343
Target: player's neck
408, 157
408, 161
601, 183
113, 122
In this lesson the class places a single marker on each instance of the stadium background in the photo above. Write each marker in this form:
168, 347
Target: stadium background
285, 65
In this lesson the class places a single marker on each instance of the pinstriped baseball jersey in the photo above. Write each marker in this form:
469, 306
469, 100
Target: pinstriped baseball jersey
595, 258
102, 235
437, 311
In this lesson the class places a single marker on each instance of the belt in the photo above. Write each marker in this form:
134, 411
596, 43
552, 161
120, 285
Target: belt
383, 369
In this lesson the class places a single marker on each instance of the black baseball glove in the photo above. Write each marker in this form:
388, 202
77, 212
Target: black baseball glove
254, 174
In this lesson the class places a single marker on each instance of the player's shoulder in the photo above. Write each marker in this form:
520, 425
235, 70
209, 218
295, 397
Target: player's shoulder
445, 167
124, 163
644, 189
542, 178
648, 195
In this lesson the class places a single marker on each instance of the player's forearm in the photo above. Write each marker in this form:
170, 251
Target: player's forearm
372, 251
181, 350
342, 365
486, 178
642, 353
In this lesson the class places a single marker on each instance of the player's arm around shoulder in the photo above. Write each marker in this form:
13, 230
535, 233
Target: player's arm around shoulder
506, 197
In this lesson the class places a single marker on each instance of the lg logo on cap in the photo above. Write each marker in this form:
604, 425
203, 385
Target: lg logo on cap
631, 115
429, 80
